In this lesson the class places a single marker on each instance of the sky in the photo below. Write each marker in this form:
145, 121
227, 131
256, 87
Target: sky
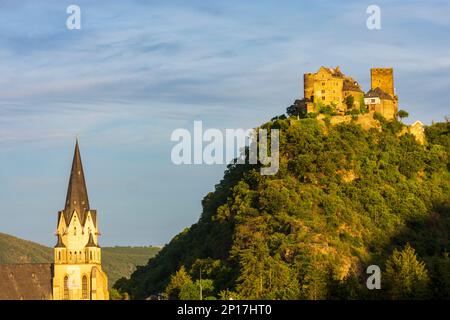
137, 70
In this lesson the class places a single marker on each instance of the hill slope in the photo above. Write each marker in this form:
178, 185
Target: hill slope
343, 199
117, 261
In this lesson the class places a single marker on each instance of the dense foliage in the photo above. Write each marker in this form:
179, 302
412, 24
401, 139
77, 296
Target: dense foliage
343, 199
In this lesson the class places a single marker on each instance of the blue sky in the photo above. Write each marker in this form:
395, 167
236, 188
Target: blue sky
138, 69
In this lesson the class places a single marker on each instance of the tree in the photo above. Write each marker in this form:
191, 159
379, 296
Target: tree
191, 291
349, 101
298, 109
406, 276
402, 114
362, 106
342, 194
179, 281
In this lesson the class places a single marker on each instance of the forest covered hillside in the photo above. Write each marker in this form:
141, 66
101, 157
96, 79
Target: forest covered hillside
117, 261
343, 199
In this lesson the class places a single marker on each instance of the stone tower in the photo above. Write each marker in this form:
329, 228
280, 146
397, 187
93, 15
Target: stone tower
78, 272
383, 78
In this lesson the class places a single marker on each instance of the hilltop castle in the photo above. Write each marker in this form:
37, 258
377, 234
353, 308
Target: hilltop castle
330, 87
76, 273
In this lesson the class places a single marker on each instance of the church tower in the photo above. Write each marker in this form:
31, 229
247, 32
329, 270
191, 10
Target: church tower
78, 272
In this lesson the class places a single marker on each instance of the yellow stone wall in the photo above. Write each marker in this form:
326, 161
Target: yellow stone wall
357, 96
308, 86
387, 108
383, 78
328, 89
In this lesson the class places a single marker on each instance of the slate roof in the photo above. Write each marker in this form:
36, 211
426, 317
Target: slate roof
59, 244
91, 242
77, 196
32, 281
378, 93
351, 85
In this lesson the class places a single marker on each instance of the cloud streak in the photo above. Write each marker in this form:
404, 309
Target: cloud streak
139, 69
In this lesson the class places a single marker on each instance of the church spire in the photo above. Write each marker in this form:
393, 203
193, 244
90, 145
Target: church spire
77, 196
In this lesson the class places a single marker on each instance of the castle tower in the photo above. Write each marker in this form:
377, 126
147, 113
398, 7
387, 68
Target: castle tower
308, 86
78, 272
383, 78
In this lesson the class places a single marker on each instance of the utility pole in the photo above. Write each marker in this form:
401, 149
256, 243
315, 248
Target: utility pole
201, 293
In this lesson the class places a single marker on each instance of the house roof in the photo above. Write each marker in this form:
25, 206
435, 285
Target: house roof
26, 281
377, 93
351, 85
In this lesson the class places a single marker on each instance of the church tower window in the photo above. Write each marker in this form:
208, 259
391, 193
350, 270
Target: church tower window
66, 288
84, 286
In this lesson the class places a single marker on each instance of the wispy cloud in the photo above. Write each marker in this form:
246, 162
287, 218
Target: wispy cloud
139, 69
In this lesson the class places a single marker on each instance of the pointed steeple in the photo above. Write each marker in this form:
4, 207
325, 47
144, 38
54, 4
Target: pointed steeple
77, 196
60, 243
91, 242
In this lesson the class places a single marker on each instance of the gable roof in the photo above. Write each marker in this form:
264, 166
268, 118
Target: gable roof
91, 243
351, 84
378, 93
59, 244
32, 281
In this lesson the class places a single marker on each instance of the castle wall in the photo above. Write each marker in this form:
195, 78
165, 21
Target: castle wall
328, 89
308, 86
357, 96
383, 78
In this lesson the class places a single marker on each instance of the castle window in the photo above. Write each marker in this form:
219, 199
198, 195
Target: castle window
59, 255
66, 288
90, 255
323, 83
84, 286
323, 91
323, 97
75, 231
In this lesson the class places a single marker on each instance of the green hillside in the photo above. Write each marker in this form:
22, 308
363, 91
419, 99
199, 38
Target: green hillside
343, 199
120, 262
15, 250
117, 261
